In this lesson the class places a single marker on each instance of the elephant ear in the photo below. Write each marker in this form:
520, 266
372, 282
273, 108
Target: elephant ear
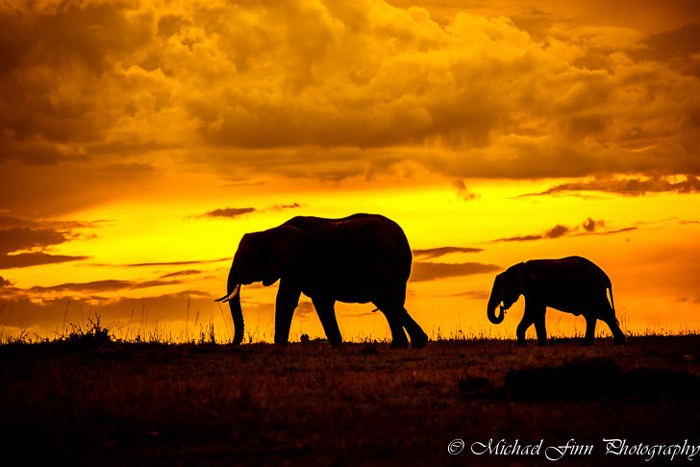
285, 252
524, 277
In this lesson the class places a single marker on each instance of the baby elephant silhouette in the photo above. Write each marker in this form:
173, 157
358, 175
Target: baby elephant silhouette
574, 285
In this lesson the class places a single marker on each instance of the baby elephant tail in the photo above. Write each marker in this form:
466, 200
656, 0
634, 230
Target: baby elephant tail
612, 302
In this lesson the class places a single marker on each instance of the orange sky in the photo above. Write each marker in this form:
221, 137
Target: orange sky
140, 140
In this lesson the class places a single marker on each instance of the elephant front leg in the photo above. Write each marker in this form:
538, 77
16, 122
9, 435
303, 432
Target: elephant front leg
287, 301
533, 312
326, 313
541, 329
590, 329
525, 323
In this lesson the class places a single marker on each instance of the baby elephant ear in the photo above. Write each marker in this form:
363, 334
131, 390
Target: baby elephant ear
285, 253
524, 276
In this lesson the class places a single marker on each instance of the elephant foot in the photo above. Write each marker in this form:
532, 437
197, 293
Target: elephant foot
587, 343
520, 343
419, 341
619, 341
542, 343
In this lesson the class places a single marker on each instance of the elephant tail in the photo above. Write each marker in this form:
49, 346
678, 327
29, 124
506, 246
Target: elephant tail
612, 302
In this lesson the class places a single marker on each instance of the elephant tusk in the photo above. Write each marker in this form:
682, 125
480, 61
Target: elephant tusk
228, 297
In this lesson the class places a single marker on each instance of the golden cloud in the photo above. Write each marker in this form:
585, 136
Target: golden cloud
334, 89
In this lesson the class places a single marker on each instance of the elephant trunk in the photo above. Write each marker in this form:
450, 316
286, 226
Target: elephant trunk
233, 297
237, 314
234, 303
494, 302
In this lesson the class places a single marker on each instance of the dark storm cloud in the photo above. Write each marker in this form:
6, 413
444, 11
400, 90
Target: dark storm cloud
630, 186
463, 192
47, 190
593, 227
617, 231
61, 94
281, 207
229, 212
589, 226
432, 253
430, 271
10, 221
237, 212
473, 294
305, 310
188, 272
83, 39
557, 231
22, 238
678, 48
521, 238
172, 263
101, 286
24, 260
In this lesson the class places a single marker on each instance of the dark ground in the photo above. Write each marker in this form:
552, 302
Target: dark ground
363, 404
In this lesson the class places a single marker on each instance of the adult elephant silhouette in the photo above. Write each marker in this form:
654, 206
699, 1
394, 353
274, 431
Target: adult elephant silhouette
362, 258
574, 285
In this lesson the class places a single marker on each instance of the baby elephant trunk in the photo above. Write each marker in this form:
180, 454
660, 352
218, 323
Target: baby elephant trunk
495, 302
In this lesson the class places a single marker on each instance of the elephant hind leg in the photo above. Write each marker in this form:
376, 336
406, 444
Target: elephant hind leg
394, 315
607, 315
418, 337
618, 335
326, 312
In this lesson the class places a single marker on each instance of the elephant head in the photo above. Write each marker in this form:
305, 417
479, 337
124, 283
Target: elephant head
261, 257
507, 288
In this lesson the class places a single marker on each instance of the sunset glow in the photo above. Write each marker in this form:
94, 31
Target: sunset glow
139, 140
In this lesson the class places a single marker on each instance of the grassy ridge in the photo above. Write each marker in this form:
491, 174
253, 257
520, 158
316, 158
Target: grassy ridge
121, 403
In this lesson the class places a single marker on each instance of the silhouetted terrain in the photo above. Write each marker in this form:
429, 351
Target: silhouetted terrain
362, 404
